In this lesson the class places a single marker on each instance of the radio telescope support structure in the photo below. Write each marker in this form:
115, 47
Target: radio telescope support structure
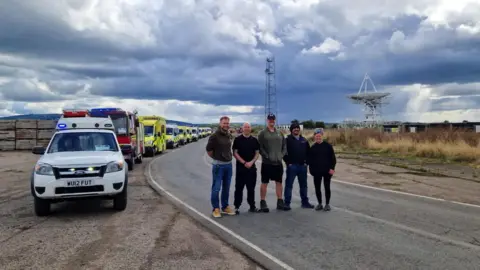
372, 101
270, 88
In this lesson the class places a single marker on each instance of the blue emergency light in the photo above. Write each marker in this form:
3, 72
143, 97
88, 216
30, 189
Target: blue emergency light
62, 126
102, 112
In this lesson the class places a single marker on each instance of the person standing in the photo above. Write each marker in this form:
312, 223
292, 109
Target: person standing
321, 161
246, 151
219, 148
296, 160
272, 150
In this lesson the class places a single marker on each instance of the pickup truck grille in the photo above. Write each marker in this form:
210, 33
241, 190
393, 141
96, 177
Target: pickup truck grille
70, 190
79, 172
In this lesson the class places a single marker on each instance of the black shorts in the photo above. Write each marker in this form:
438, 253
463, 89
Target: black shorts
271, 172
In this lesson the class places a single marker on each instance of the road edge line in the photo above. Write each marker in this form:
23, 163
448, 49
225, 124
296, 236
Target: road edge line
245, 247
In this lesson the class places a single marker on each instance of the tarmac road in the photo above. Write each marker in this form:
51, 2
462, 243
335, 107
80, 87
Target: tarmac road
150, 234
366, 229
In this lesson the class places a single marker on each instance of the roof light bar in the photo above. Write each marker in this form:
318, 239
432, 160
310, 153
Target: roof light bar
75, 113
103, 112
85, 123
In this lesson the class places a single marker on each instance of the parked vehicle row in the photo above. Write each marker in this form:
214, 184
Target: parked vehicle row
92, 151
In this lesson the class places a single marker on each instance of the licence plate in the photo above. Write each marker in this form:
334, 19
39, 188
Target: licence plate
79, 183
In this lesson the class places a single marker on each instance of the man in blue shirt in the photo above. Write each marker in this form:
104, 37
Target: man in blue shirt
296, 161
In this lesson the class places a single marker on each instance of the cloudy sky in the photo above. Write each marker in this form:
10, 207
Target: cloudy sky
195, 60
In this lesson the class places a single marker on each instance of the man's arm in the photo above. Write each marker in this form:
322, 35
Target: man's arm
257, 151
307, 146
261, 142
235, 151
284, 145
211, 145
285, 156
257, 154
238, 157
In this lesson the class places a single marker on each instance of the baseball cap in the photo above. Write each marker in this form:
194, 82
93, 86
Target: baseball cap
318, 131
271, 116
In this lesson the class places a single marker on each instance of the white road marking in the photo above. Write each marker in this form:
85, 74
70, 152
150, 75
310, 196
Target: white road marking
394, 224
406, 193
388, 190
404, 227
218, 225
413, 230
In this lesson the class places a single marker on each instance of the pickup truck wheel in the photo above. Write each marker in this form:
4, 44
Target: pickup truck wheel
42, 207
120, 200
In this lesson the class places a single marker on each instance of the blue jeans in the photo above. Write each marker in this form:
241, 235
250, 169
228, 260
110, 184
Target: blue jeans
222, 177
293, 171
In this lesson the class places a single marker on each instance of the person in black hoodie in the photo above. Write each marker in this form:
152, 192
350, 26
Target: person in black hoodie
321, 161
296, 161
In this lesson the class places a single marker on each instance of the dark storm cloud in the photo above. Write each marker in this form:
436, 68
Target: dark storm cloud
455, 103
452, 89
104, 71
190, 64
435, 67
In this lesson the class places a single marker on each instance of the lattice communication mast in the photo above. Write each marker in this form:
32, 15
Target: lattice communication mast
372, 101
270, 88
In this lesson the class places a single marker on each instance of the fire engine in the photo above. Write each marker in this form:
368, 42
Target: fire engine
82, 160
129, 131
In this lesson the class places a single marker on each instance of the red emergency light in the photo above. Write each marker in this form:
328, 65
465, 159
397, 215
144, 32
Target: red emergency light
75, 113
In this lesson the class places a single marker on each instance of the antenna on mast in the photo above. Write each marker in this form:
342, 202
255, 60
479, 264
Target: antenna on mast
270, 88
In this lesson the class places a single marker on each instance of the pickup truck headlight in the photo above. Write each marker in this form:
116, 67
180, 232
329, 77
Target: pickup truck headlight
43, 169
114, 166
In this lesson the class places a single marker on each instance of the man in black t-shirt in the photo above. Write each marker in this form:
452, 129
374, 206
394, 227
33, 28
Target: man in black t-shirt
246, 151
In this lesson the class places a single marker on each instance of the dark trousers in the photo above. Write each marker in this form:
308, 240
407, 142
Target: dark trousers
317, 181
299, 171
245, 177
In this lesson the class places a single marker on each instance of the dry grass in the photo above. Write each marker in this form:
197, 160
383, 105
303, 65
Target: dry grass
446, 145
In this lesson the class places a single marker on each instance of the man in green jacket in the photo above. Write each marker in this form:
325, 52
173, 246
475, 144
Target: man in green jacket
272, 149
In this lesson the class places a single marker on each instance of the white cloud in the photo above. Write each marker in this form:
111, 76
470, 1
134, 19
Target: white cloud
454, 108
328, 46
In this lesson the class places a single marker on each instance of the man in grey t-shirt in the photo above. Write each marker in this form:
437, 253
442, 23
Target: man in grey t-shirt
272, 148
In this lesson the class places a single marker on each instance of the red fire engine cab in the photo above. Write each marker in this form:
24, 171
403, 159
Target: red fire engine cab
129, 132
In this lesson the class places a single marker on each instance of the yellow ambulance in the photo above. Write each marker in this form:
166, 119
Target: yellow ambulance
155, 134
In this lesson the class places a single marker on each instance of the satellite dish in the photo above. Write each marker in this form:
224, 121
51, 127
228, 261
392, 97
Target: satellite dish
372, 101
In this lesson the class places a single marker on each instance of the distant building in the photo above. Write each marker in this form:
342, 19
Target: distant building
287, 127
414, 127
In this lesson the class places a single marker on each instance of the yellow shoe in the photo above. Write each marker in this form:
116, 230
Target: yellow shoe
216, 213
229, 211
